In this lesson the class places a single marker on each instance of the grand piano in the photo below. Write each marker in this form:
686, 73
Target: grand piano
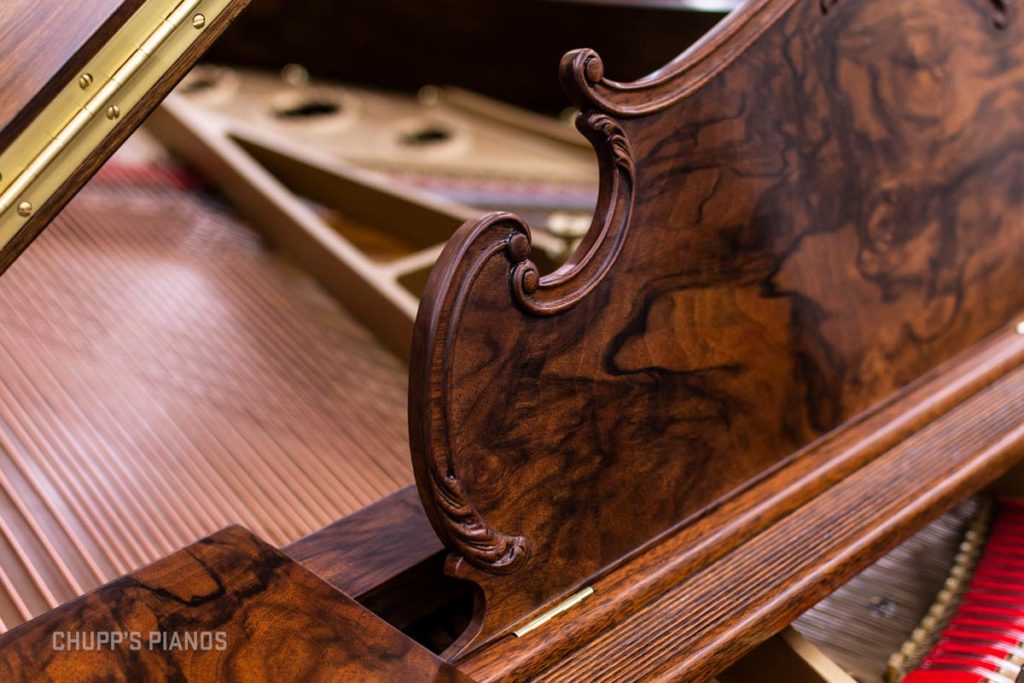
563, 341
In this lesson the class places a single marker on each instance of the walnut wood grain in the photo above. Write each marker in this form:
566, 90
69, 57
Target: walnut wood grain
279, 622
725, 530
695, 629
78, 22
367, 549
798, 218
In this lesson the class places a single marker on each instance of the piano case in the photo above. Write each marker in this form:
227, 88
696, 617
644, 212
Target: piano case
788, 342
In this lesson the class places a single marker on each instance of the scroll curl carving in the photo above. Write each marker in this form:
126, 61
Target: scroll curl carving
567, 286
822, 217
448, 505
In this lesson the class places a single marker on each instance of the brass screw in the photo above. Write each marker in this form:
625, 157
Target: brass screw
295, 75
85, 81
198, 21
25, 209
113, 111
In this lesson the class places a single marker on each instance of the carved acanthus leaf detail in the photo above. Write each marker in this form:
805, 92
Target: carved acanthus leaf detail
481, 546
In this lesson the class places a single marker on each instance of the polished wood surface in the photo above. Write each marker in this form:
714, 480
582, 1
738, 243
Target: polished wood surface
787, 343
43, 45
277, 622
702, 597
808, 211
367, 549
31, 95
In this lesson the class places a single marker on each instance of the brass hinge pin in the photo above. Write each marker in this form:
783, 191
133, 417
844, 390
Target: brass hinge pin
560, 608
97, 103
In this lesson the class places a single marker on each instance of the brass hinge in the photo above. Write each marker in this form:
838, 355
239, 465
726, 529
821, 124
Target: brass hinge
80, 117
560, 608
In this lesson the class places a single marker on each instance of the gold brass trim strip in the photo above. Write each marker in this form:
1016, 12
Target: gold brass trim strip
564, 606
83, 114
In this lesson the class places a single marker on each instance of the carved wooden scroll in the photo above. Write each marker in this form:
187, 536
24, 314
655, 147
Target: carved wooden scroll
798, 217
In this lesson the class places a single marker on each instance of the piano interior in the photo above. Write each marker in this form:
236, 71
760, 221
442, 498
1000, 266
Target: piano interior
216, 329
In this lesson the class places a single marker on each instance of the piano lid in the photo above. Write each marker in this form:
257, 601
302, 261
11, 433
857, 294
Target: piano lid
77, 77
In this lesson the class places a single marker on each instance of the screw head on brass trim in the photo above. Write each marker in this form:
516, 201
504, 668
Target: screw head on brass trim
25, 209
198, 21
113, 111
85, 81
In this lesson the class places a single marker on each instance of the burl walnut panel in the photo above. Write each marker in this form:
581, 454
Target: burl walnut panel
279, 623
801, 215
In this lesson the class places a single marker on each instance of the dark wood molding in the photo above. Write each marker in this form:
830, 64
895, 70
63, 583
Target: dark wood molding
504, 235
457, 521
583, 71
695, 629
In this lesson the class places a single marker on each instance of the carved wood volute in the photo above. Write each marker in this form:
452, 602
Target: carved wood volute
797, 218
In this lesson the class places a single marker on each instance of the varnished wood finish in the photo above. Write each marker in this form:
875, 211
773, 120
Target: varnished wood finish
279, 622
47, 40
43, 45
799, 217
365, 550
699, 599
